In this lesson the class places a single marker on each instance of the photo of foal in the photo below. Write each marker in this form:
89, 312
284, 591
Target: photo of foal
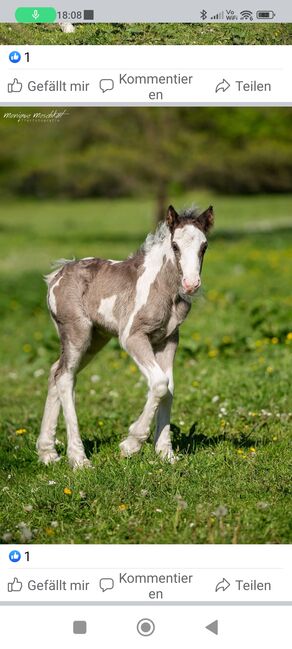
142, 300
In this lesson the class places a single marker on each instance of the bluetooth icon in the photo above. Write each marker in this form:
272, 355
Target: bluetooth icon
203, 14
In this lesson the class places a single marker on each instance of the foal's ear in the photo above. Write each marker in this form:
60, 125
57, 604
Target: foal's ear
206, 219
172, 218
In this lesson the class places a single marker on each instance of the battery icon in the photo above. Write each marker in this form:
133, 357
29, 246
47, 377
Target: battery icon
265, 15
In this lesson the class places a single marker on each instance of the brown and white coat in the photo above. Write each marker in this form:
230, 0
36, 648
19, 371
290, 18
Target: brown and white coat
142, 301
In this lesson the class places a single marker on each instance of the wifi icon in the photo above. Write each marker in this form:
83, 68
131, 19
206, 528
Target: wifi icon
246, 14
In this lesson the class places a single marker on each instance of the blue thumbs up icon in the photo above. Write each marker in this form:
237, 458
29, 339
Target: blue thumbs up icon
14, 556
14, 57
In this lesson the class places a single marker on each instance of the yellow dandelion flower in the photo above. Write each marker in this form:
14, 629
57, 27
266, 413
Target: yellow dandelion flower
275, 340
212, 353
27, 348
252, 449
115, 365
100, 422
196, 336
240, 451
123, 507
269, 369
275, 438
49, 531
289, 335
226, 340
21, 431
195, 384
67, 491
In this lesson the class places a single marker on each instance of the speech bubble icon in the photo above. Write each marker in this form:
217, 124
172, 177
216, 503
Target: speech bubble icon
106, 584
106, 84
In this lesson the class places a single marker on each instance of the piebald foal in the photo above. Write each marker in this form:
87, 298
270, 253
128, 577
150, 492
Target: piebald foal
142, 301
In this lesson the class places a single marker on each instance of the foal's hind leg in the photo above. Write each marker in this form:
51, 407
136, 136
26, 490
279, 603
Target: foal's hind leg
46, 441
72, 353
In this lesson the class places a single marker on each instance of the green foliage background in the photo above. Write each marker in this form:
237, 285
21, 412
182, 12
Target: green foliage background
118, 152
149, 34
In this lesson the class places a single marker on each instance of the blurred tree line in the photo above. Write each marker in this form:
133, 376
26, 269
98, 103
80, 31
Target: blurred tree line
114, 152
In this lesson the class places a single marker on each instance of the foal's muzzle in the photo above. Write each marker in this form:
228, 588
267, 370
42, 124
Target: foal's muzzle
190, 288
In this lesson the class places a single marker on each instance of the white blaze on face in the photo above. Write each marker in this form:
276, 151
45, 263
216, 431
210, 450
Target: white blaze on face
189, 239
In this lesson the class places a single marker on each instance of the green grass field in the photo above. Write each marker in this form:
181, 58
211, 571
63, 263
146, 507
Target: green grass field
148, 34
231, 415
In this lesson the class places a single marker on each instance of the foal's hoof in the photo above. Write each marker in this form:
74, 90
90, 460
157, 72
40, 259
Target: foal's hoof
79, 463
48, 457
166, 453
129, 447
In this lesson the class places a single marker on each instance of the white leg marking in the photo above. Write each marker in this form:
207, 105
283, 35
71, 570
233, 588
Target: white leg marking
139, 347
65, 386
46, 440
158, 380
140, 429
162, 438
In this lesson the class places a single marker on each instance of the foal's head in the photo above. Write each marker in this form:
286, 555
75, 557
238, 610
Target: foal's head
189, 243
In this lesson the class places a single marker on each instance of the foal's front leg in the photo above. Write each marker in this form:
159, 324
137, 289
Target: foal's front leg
140, 349
162, 440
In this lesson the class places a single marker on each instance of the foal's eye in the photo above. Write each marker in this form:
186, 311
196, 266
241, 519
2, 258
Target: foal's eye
175, 247
204, 248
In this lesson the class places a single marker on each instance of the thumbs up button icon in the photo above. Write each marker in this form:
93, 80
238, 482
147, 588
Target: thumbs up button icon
15, 86
14, 586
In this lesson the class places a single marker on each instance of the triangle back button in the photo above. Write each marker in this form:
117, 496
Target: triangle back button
213, 627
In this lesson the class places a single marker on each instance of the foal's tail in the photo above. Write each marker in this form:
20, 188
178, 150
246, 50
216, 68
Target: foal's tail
57, 266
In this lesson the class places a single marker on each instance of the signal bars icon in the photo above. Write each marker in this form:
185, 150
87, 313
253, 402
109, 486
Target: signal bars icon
219, 16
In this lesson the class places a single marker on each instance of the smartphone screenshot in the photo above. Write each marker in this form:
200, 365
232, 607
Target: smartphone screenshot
146, 329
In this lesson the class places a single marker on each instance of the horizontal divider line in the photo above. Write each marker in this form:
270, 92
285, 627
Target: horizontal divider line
129, 104
135, 603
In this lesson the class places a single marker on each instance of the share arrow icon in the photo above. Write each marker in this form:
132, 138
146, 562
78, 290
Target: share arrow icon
223, 85
222, 585
213, 627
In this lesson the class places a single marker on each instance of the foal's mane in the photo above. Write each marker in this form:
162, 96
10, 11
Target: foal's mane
186, 216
